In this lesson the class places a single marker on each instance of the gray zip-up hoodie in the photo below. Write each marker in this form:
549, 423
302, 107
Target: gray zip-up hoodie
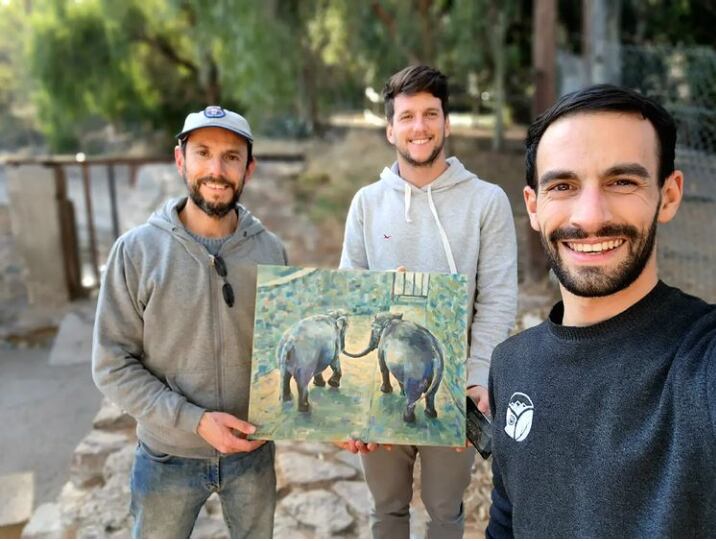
457, 223
166, 346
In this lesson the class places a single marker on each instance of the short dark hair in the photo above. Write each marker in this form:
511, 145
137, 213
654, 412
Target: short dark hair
607, 98
249, 150
414, 79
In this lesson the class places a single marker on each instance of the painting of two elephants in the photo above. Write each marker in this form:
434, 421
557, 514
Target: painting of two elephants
376, 356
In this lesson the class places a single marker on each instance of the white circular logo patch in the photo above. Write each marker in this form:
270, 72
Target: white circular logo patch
520, 411
214, 111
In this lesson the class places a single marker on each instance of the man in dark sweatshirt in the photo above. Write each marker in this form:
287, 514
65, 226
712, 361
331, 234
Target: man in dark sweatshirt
605, 414
173, 334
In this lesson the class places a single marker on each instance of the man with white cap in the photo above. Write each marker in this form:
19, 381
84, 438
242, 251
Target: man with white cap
173, 335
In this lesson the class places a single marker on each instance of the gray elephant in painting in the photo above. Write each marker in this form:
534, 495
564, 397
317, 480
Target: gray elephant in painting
306, 349
412, 354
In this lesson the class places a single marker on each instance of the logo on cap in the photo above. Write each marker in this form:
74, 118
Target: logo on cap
214, 111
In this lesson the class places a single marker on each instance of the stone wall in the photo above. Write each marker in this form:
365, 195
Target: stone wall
321, 492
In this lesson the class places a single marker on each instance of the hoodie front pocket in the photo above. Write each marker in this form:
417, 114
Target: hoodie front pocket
198, 386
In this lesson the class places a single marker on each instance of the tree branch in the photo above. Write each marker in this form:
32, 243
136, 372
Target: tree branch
162, 45
390, 24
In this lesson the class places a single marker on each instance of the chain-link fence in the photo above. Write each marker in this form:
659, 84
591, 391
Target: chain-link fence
684, 81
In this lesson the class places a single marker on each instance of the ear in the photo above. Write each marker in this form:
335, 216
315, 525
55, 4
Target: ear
250, 168
342, 323
671, 193
389, 133
179, 159
531, 203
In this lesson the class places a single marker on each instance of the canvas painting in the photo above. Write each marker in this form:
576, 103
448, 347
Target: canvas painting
376, 356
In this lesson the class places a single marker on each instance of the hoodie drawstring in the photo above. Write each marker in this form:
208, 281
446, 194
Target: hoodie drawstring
407, 203
443, 235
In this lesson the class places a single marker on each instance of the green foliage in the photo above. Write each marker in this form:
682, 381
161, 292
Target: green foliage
80, 75
286, 64
16, 110
10, 50
144, 64
668, 22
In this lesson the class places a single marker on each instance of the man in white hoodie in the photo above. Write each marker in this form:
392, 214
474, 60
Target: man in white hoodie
428, 213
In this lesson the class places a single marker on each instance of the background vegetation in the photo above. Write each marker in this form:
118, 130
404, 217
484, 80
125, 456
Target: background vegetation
69, 67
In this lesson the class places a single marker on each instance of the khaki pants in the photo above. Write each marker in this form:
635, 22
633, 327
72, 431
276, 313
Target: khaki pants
444, 478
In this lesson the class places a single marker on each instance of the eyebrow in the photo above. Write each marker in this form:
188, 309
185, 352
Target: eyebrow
634, 169
413, 111
557, 174
230, 150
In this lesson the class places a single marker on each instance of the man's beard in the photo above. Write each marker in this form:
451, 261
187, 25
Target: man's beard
596, 281
425, 163
214, 210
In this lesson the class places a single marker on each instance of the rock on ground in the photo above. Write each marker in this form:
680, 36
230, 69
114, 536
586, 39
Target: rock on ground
46, 523
319, 509
296, 468
356, 494
91, 453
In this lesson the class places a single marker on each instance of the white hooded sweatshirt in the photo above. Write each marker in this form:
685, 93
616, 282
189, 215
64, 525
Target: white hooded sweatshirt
458, 223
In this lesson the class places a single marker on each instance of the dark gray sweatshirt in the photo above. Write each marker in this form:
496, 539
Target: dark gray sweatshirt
608, 430
166, 346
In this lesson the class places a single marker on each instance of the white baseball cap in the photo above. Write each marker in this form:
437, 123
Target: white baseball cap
215, 116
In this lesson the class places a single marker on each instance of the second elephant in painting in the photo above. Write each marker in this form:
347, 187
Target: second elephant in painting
306, 349
412, 354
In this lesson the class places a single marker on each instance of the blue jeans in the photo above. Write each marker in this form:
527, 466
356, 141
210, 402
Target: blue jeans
169, 491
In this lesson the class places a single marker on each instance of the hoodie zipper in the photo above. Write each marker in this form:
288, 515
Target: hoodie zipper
218, 346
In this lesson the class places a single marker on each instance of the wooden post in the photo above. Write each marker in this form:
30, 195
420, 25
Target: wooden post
94, 257
68, 234
112, 185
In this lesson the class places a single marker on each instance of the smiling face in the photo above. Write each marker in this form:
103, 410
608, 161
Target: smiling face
418, 129
598, 201
214, 168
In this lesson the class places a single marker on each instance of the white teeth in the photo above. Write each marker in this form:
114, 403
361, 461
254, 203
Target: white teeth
595, 247
419, 141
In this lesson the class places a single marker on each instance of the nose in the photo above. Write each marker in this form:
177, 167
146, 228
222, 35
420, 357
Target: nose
419, 123
591, 209
216, 167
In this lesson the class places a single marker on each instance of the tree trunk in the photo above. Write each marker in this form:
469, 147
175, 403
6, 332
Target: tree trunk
544, 21
600, 42
427, 39
498, 27
212, 89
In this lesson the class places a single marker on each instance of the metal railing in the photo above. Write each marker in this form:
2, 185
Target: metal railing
72, 254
